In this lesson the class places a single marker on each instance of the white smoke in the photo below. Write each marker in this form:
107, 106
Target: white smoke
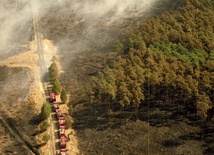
96, 10
121, 8
13, 24
97, 19
16, 17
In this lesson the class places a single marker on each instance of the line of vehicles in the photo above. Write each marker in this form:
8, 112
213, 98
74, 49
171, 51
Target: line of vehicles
62, 127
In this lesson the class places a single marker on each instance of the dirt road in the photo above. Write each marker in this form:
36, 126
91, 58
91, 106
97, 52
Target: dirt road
43, 65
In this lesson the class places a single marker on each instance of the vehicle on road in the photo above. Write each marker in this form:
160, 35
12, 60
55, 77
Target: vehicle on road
63, 140
52, 97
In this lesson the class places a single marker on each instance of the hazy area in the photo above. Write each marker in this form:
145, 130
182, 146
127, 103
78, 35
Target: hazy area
15, 26
16, 19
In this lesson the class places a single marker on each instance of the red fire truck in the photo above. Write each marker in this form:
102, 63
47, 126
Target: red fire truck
63, 140
52, 97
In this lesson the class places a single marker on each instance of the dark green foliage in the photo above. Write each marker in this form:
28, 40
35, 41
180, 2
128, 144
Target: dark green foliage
136, 42
211, 55
63, 95
118, 46
45, 111
53, 71
46, 138
44, 126
56, 86
191, 26
209, 3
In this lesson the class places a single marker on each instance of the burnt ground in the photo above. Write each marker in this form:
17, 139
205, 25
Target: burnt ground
162, 130
17, 70
16, 131
16, 29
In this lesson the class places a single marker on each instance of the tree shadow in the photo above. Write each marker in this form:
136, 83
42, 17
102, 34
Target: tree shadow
101, 117
209, 150
87, 118
172, 143
206, 135
191, 136
98, 117
164, 114
36, 120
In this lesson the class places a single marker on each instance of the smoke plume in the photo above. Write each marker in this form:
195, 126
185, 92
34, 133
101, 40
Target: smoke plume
16, 28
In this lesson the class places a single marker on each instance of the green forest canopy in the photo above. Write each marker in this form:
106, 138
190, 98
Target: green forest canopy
169, 58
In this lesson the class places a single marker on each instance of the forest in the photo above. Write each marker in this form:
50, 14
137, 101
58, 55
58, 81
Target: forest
168, 59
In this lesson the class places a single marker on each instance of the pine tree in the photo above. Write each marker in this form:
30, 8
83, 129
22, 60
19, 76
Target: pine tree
124, 95
118, 47
63, 95
53, 71
56, 88
203, 104
45, 111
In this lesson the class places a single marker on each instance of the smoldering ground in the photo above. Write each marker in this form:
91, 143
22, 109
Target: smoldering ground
15, 26
80, 25
16, 29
